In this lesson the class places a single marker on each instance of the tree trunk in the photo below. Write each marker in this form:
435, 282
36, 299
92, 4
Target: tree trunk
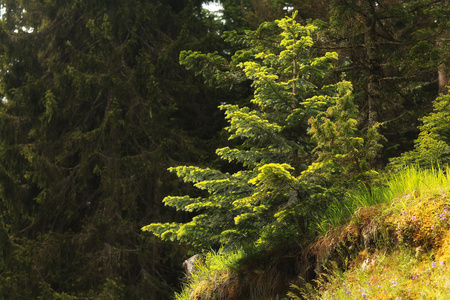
374, 74
443, 79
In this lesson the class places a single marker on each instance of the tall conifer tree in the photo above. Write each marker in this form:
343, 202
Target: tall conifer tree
288, 175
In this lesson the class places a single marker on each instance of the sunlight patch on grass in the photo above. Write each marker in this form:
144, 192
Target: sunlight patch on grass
213, 279
400, 192
399, 275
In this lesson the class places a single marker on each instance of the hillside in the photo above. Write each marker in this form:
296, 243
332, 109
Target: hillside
396, 245
403, 245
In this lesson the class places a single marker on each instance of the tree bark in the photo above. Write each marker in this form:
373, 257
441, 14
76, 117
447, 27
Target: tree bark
443, 79
374, 73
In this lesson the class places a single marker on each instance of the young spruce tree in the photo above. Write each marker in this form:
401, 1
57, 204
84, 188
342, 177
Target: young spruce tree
281, 186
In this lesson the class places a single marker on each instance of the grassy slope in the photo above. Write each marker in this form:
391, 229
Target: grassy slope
387, 243
401, 245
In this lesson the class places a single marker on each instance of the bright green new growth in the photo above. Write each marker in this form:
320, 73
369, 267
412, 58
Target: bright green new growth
217, 268
340, 146
279, 191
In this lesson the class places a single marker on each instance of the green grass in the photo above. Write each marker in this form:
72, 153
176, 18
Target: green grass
398, 275
412, 181
209, 276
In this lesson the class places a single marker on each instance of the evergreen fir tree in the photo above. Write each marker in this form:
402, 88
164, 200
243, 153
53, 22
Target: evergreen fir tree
279, 191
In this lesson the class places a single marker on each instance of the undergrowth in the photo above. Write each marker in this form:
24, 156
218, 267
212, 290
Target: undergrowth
213, 279
411, 181
397, 275
414, 207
